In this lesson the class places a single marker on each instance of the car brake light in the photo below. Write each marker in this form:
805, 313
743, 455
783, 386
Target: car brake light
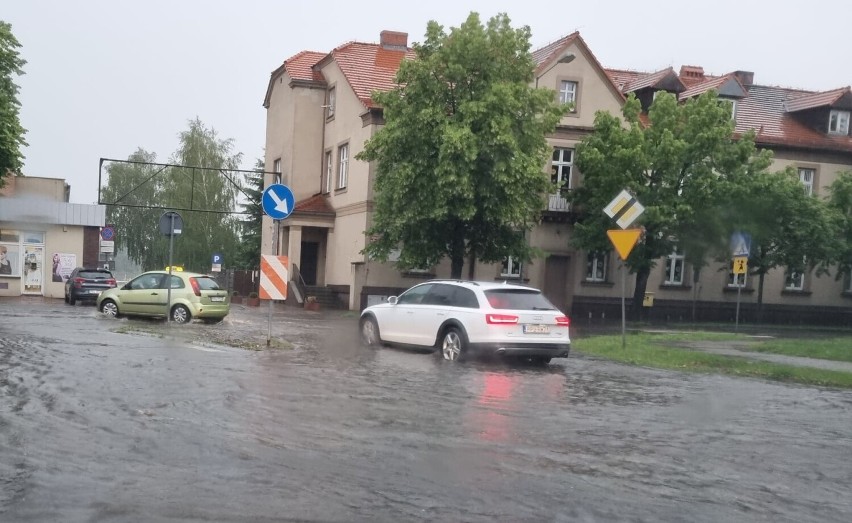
195, 288
111, 282
563, 321
78, 282
501, 319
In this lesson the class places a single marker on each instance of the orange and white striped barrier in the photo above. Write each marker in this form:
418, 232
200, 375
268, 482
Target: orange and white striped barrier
274, 275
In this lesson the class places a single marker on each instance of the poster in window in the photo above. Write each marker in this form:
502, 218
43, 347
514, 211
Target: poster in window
63, 264
10, 258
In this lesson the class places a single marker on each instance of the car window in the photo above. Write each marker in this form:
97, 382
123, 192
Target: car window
177, 282
465, 298
414, 294
206, 283
146, 281
439, 295
518, 299
92, 275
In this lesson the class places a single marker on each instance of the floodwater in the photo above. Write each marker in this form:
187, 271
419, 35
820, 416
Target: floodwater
163, 423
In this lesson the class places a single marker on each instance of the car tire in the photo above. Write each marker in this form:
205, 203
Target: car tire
180, 314
212, 321
71, 299
109, 308
454, 344
370, 336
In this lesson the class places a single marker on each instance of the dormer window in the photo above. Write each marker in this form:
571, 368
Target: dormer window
732, 103
838, 122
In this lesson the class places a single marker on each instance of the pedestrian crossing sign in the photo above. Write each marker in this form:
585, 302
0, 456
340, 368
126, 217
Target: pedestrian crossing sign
740, 265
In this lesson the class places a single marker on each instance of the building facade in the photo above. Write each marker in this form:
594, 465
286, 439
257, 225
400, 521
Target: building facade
43, 237
320, 114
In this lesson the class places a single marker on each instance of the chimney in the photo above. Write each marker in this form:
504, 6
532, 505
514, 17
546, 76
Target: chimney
394, 40
694, 72
745, 77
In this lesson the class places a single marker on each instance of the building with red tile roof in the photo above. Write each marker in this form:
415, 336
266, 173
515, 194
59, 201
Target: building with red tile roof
321, 111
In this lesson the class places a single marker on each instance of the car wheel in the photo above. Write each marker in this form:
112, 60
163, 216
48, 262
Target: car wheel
180, 314
212, 320
370, 332
109, 308
454, 345
71, 299
541, 360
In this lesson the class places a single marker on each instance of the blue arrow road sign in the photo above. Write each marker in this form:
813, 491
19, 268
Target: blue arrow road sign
217, 258
278, 201
740, 244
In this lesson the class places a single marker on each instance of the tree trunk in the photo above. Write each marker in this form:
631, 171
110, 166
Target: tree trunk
759, 318
639, 293
696, 276
457, 254
471, 265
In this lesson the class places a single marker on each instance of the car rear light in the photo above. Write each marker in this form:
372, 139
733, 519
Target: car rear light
111, 282
501, 319
78, 282
563, 321
195, 288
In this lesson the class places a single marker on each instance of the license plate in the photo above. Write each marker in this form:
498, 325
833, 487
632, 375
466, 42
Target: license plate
217, 298
94, 292
536, 329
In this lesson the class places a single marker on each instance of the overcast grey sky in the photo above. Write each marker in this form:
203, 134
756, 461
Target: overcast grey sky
104, 78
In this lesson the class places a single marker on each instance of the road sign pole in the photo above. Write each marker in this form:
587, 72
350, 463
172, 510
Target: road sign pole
277, 226
737, 316
623, 307
169, 283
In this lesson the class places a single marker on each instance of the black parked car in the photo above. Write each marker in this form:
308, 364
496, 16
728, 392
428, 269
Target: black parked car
87, 284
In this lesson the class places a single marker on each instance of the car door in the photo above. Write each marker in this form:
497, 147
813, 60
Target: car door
438, 306
145, 295
398, 321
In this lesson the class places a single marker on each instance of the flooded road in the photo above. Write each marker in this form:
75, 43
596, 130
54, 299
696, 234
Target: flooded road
164, 424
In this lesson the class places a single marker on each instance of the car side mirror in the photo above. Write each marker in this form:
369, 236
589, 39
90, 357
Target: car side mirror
392, 300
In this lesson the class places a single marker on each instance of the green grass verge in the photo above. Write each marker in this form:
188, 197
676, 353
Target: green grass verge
836, 349
656, 350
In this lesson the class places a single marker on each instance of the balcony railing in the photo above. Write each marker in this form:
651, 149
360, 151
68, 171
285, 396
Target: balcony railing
557, 202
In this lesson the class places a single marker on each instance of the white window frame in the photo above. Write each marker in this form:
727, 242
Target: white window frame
733, 104
329, 171
674, 260
342, 166
568, 92
794, 280
838, 122
511, 268
276, 168
332, 100
807, 176
562, 169
596, 266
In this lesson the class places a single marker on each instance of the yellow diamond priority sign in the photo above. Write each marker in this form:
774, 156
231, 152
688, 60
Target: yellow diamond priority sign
624, 240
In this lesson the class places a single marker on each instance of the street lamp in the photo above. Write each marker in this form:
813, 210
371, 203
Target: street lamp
563, 60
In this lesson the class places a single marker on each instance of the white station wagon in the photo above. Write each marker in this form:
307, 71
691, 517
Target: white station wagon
464, 317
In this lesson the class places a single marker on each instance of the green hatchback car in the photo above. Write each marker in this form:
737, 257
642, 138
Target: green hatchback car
192, 296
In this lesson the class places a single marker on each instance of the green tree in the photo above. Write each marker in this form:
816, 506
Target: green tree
11, 131
470, 180
789, 228
141, 190
676, 165
840, 200
248, 252
204, 232
134, 187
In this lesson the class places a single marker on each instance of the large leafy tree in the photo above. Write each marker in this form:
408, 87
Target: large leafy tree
789, 229
210, 189
459, 160
676, 164
11, 131
140, 190
840, 200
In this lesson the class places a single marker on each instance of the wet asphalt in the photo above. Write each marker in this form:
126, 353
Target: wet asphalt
134, 420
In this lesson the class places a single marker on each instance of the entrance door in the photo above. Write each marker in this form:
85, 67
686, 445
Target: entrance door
556, 281
308, 263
